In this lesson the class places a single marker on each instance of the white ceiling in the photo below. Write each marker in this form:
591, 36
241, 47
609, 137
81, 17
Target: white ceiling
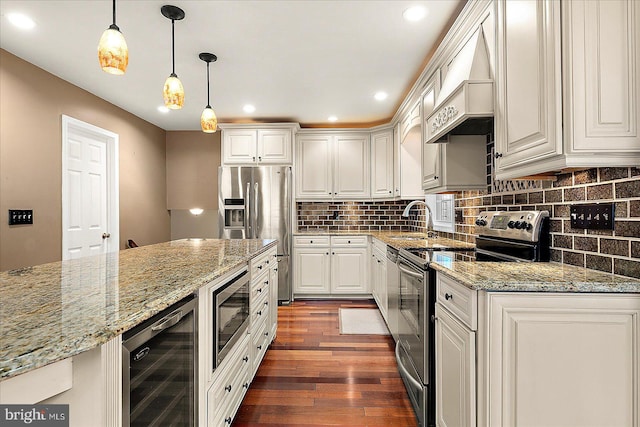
296, 61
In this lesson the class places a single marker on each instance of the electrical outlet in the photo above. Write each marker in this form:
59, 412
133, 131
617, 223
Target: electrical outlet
598, 216
20, 216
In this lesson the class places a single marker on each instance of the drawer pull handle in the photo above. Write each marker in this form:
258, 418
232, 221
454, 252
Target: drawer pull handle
245, 359
228, 388
448, 296
227, 420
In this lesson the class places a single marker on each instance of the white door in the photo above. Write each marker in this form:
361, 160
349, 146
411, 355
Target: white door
89, 190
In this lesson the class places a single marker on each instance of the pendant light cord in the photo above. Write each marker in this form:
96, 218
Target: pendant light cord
114, 12
208, 103
173, 47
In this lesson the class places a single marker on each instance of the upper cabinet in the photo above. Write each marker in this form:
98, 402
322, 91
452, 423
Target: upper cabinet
528, 120
382, 170
253, 145
333, 165
586, 72
430, 152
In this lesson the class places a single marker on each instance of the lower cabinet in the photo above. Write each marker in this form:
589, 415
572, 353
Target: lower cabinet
536, 358
330, 265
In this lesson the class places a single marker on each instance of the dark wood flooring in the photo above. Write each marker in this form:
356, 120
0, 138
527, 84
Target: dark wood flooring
313, 376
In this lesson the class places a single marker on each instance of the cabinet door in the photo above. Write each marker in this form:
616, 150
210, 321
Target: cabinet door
351, 171
430, 152
601, 70
382, 172
314, 167
528, 79
239, 146
349, 271
575, 355
455, 372
396, 160
311, 271
383, 302
274, 146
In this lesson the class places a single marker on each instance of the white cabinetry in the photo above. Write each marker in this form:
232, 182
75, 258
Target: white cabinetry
430, 152
379, 276
326, 265
269, 144
382, 170
410, 153
574, 354
529, 105
261, 305
455, 354
586, 72
333, 166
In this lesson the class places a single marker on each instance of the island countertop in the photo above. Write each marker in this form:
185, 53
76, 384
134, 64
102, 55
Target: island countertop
54, 311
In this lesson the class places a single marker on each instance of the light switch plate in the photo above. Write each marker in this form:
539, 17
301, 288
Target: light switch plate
598, 216
20, 216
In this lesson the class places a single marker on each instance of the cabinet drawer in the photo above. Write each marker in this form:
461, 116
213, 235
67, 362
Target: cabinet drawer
380, 246
260, 309
259, 288
348, 241
262, 262
302, 241
458, 299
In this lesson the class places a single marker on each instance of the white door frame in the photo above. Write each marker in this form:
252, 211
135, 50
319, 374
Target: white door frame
113, 196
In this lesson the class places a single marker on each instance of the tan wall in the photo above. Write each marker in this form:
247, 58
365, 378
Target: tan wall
32, 102
193, 158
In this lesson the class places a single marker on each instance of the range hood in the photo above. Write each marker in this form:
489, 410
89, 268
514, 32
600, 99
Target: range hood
465, 102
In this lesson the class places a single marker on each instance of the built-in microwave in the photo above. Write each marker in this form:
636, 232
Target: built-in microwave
230, 315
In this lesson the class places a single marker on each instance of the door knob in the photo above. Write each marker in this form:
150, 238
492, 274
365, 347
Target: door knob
106, 235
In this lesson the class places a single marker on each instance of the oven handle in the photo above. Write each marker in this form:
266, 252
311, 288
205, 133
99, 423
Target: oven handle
500, 256
409, 272
404, 372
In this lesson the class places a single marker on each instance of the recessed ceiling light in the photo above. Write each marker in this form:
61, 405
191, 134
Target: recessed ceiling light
21, 21
414, 13
332, 118
380, 96
248, 108
163, 109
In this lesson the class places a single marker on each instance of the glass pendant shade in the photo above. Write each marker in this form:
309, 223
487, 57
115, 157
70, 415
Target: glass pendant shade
113, 53
208, 120
173, 93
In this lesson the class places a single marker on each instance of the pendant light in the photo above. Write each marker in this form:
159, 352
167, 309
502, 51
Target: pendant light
173, 91
113, 53
208, 119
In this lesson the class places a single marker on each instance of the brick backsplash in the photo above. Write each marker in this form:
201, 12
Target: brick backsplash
614, 251
358, 216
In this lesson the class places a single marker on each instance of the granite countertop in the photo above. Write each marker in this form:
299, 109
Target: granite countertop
503, 276
400, 239
534, 277
53, 311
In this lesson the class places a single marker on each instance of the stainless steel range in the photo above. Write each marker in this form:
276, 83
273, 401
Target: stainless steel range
520, 236
502, 236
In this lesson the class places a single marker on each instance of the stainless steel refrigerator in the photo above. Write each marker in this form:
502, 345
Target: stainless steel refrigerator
254, 202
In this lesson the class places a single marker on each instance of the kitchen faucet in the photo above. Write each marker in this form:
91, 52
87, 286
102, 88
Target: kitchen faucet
430, 232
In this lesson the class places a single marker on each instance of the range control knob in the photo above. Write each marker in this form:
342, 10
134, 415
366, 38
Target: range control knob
519, 225
528, 226
511, 224
481, 222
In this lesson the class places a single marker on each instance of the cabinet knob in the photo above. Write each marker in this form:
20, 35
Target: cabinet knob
245, 385
259, 347
260, 313
227, 420
333, 253
260, 158
448, 296
275, 269
245, 359
266, 334
259, 267
389, 191
436, 177
311, 241
498, 155
254, 158
228, 388
348, 241
259, 289
327, 253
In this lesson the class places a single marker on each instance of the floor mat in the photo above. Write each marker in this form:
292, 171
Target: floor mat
362, 321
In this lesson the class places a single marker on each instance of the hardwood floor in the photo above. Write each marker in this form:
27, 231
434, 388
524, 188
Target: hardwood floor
312, 375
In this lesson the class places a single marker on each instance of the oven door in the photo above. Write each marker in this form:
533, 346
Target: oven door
412, 326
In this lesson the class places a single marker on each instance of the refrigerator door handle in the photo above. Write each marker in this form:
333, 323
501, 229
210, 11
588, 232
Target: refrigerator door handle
255, 209
247, 211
